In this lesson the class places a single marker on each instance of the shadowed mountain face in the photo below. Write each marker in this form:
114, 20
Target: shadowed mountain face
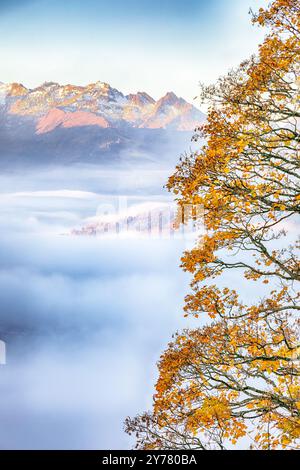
68, 124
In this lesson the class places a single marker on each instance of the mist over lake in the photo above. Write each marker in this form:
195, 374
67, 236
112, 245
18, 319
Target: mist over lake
149, 228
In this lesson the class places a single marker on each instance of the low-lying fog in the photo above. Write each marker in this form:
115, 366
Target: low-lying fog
84, 318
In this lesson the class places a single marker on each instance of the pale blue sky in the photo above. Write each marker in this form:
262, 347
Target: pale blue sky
154, 46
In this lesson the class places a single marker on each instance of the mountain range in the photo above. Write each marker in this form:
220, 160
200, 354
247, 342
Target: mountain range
151, 219
74, 123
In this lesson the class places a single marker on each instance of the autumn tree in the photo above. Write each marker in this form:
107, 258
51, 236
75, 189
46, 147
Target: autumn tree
238, 376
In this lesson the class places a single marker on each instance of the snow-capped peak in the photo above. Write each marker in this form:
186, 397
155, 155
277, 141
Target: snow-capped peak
98, 103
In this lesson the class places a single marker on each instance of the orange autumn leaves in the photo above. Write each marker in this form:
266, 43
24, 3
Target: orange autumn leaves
236, 379
220, 379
